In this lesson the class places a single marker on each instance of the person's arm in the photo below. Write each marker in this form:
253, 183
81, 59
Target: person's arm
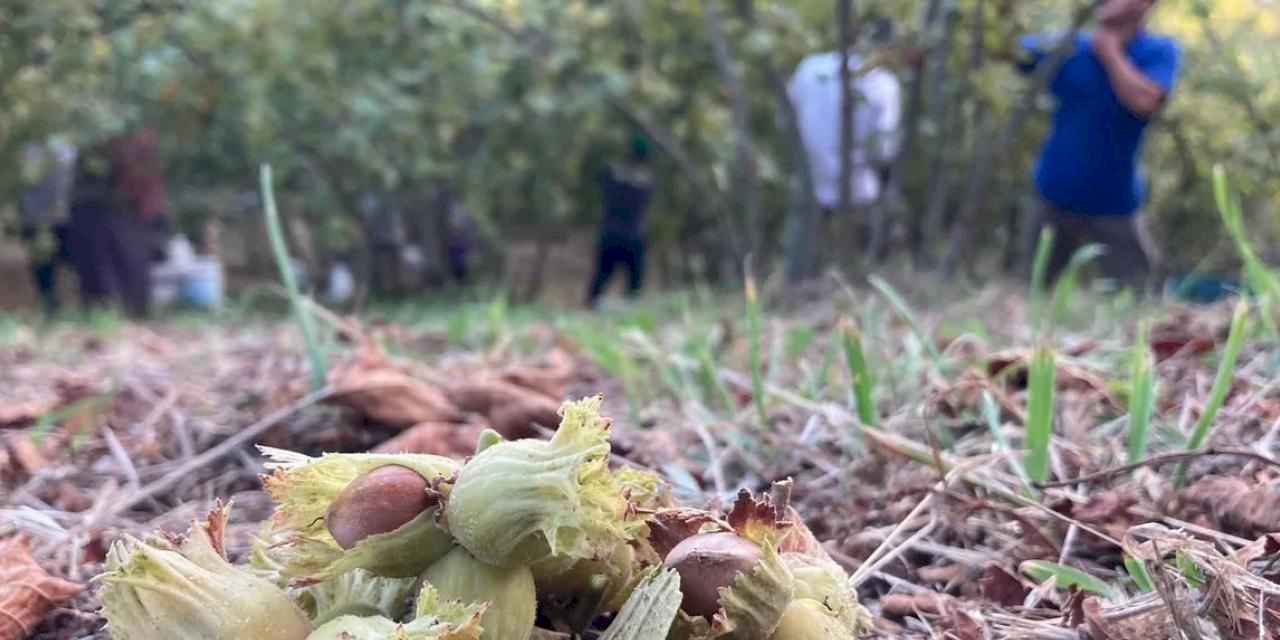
1141, 94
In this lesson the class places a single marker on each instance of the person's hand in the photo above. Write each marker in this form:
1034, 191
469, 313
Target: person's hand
1109, 41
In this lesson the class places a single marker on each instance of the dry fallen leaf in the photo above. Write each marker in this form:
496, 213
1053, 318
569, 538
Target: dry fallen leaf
24, 414
510, 409
1002, 586
436, 438
27, 592
24, 453
1233, 505
374, 387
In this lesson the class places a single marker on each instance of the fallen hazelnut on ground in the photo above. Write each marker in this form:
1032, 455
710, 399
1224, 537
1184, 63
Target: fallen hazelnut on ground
706, 562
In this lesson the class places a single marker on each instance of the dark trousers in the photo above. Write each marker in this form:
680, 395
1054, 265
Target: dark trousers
1126, 259
624, 250
112, 255
47, 245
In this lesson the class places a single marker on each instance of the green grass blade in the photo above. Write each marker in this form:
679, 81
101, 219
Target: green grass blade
859, 373
1221, 386
711, 379
900, 305
315, 357
757, 366
1138, 572
992, 414
1067, 577
1039, 271
1260, 277
1142, 396
1065, 288
1043, 378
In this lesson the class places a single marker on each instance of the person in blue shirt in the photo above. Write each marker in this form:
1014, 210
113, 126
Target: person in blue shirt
1108, 90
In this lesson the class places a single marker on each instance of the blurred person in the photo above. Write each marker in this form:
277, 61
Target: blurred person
1110, 87
626, 188
48, 170
460, 239
119, 220
815, 91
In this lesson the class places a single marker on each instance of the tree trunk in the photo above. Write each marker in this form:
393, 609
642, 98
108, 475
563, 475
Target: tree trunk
844, 18
941, 99
915, 108
536, 280
744, 200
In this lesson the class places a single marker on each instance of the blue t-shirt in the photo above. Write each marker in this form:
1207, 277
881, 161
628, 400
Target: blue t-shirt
1089, 165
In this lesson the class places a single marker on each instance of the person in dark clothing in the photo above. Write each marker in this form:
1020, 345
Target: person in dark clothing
627, 189
119, 210
48, 170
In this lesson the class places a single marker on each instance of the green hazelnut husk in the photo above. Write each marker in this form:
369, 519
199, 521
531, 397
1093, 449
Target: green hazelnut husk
509, 593
526, 502
331, 517
158, 589
806, 619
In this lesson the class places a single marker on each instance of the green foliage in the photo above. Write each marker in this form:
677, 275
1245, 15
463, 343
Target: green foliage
1040, 397
757, 364
514, 105
1066, 577
1221, 386
1142, 395
1139, 574
302, 313
859, 375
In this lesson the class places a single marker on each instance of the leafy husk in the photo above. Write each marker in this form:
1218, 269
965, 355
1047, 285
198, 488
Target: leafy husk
650, 611
823, 581
435, 620
509, 593
161, 589
357, 593
526, 502
305, 487
806, 619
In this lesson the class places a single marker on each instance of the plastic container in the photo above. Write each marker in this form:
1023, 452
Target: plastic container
203, 286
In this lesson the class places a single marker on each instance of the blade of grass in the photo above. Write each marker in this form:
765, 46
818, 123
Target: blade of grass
1065, 288
1043, 378
822, 378
757, 367
1260, 277
992, 414
1039, 271
1067, 577
1142, 396
1221, 387
859, 373
1138, 572
306, 324
904, 310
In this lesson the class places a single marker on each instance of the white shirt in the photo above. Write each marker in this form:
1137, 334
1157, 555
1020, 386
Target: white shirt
815, 91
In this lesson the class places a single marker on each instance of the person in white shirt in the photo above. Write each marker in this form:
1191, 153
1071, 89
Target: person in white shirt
815, 92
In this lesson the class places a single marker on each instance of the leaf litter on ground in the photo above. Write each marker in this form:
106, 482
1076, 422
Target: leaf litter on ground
953, 406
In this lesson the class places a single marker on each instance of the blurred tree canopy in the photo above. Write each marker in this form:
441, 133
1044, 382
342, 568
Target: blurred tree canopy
512, 103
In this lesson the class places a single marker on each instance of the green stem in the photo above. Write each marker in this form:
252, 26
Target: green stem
1221, 387
305, 322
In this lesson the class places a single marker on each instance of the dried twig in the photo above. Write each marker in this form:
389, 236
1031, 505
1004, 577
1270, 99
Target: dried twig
1162, 459
247, 435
